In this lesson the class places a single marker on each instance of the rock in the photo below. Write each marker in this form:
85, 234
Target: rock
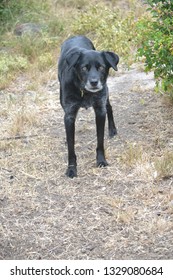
24, 28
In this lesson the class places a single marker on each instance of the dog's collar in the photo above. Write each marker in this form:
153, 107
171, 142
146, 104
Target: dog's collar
82, 91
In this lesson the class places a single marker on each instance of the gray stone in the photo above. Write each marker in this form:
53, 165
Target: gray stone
24, 28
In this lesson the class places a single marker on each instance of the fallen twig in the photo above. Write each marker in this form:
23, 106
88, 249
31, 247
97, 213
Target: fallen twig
17, 137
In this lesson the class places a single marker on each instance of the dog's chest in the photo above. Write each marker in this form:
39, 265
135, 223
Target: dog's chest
88, 100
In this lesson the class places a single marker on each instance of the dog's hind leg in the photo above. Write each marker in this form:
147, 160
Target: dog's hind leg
111, 125
69, 120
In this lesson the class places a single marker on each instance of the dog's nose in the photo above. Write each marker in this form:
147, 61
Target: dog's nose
94, 82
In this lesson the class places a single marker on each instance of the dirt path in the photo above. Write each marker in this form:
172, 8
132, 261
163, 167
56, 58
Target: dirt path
124, 211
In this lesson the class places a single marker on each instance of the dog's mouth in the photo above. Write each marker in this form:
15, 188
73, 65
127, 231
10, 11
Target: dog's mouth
93, 88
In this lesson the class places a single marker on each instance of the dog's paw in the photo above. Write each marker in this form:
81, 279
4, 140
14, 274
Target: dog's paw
102, 163
112, 132
71, 172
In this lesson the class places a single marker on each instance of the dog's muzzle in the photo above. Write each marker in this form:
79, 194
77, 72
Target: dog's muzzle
93, 85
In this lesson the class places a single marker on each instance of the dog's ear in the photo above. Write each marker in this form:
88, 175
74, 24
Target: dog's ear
72, 58
112, 59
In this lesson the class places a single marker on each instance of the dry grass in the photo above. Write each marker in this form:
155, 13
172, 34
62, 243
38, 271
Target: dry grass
164, 165
133, 154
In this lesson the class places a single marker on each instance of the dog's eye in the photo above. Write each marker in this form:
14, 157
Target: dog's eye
101, 68
84, 68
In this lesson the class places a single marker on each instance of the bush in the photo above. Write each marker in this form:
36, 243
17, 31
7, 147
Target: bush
9, 62
109, 28
157, 43
12, 11
30, 49
3, 10
31, 46
10, 65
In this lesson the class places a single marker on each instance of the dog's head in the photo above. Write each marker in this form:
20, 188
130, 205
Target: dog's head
92, 67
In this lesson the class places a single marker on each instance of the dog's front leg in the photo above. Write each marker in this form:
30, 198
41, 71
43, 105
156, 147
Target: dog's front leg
100, 127
69, 121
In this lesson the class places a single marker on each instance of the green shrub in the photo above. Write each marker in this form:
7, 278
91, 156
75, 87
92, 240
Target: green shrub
3, 10
157, 43
35, 49
109, 29
12, 11
32, 46
9, 62
44, 61
10, 65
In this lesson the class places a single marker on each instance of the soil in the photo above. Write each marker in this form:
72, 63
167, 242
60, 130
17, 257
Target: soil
123, 211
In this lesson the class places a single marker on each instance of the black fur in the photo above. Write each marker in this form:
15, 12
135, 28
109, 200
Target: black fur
82, 73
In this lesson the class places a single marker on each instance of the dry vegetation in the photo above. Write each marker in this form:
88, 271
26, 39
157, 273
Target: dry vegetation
123, 211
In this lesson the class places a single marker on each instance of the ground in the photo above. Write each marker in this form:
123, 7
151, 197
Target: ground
123, 211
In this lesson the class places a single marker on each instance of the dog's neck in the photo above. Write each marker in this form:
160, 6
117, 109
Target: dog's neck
83, 91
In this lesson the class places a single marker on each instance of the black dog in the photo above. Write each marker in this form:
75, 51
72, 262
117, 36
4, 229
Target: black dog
82, 72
